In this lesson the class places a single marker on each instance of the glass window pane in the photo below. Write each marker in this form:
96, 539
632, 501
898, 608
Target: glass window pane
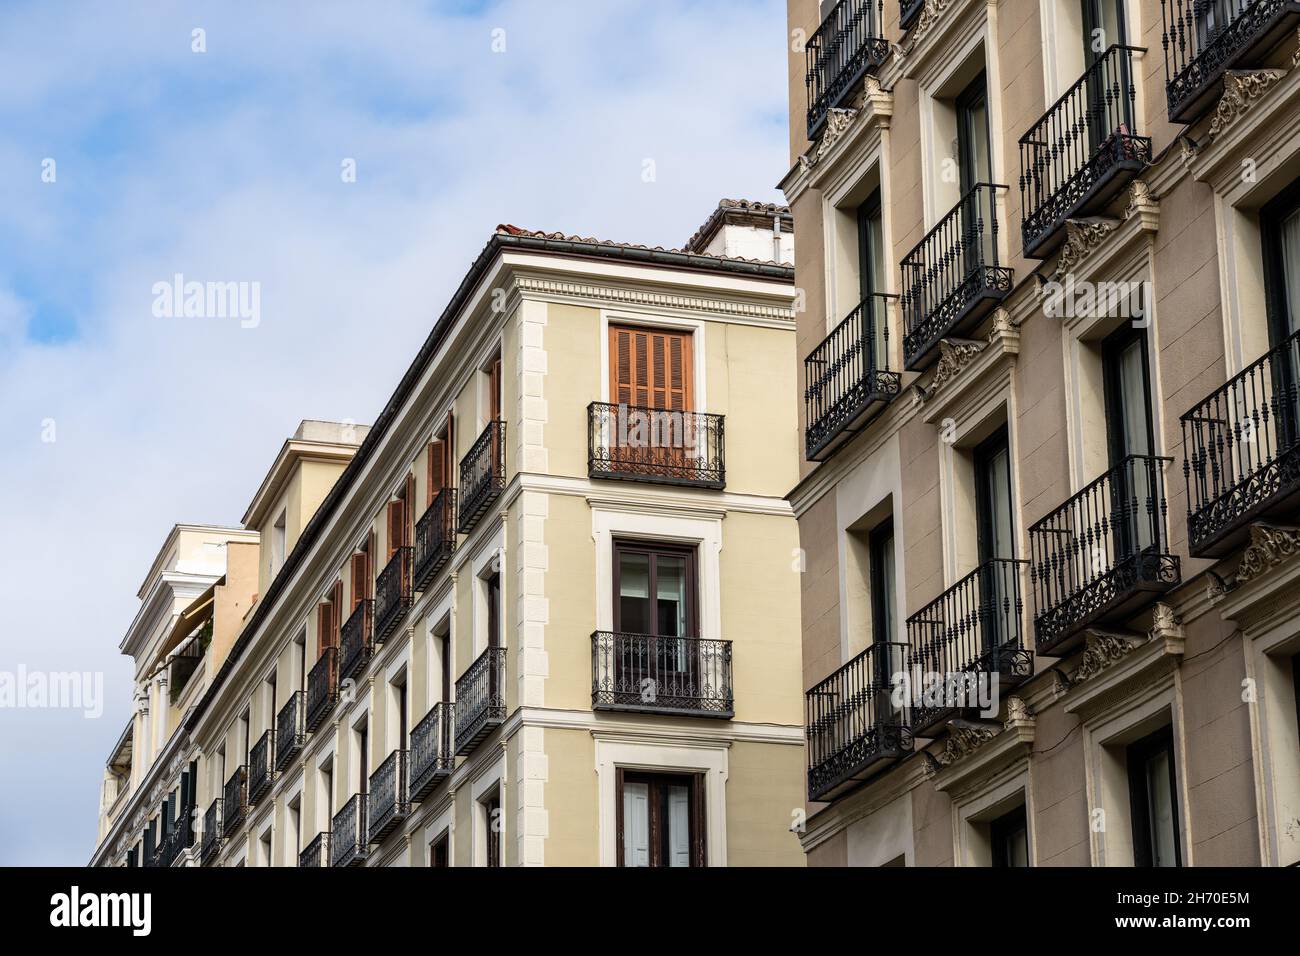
1291, 269
679, 825
634, 592
1160, 806
636, 824
670, 575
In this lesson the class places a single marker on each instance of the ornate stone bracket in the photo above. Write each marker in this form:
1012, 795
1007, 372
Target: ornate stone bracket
1167, 629
1241, 88
1081, 237
966, 737
1270, 546
954, 355
872, 102
1143, 204
1104, 648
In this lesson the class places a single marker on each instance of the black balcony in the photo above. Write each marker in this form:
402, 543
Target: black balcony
393, 593
848, 379
432, 758
854, 727
952, 278
1081, 152
435, 538
176, 840
388, 802
480, 699
971, 632
1203, 39
322, 688
482, 475
661, 675
212, 833
348, 834
1241, 452
908, 11
849, 44
662, 445
317, 852
261, 763
356, 641
1102, 555
290, 729
234, 801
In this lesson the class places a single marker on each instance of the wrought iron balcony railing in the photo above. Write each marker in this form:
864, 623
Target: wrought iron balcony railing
435, 538
290, 729
1241, 451
663, 445
322, 688
482, 475
847, 377
261, 763
1101, 554
392, 593
849, 44
348, 833
357, 640
971, 630
1203, 39
212, 833
952, 277
480, 699
853, 722
388, 802
317, 852
234, 801
908, 12
176, 840
432, 757
1082, 151
661, 675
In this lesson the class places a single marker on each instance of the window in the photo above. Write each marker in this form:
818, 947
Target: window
442, 452
973, 134
996, 540
265, 848
492, 589
884, 617
278, 540
871, 272
293, 839
440, 851
1153, 798
650, 368
660, 819
654, 589
1009, 836
327, 795
492, 826
1129, 432
363, 758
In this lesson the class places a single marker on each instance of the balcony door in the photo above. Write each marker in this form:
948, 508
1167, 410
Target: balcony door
1280, 226
1129, 433
974, 167
1109, 108
995, 535
650, 380
654, 591
871, 277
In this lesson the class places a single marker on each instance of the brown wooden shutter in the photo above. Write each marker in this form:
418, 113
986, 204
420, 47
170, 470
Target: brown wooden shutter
437, 464
336, 616
494, 384
408, 502
394, 526
649, 367
324, 627
360, 578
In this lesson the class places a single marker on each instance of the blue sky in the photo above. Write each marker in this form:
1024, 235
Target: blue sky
225, 165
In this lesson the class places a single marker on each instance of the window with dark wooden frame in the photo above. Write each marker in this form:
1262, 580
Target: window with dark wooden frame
655, 597
440, 851
660, 819
1153, 800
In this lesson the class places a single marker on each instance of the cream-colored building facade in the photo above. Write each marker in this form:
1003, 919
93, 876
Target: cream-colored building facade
1070, 467
544, 611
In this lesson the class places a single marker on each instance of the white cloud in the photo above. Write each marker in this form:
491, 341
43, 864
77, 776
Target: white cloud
226, 166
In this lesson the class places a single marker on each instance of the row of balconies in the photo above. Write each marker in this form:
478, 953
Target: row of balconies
630, 672
1096, 559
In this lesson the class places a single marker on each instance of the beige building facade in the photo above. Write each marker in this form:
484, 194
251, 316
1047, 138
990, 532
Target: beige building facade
1048, 252
543, 611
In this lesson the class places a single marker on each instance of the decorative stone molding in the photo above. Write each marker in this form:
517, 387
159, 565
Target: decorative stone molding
954, 355
1269, 547
931, 14
1081, 237
871, 102
1005, 331
1188, 150
1143, 204
1018, 714
1103, 650
963, 740
1295, 57
1241, 88
589, 290
1167, 628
